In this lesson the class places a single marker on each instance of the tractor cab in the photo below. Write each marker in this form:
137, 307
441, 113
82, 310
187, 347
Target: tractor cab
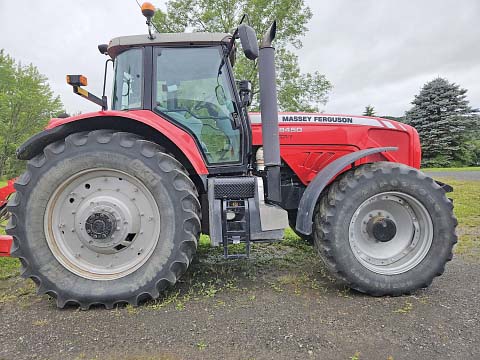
184, 79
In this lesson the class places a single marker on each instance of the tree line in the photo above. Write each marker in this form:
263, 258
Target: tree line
26, 105
447, 125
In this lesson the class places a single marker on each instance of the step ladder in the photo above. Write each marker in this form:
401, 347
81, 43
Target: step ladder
235, 227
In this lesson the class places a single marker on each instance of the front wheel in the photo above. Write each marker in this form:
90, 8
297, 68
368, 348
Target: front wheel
385, 229
104, 218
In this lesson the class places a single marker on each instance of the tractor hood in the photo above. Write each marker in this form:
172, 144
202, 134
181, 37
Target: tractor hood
309, 136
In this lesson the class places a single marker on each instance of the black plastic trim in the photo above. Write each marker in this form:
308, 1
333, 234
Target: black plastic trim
147, 78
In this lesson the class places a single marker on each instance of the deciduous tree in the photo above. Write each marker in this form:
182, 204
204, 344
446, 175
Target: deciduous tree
26, 104
297, 91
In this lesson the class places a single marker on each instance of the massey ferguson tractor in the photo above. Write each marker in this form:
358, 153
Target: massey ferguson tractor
112, 203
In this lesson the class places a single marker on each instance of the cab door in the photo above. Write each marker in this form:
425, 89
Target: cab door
191, 90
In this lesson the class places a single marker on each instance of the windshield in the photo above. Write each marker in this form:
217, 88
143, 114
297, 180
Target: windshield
127, 88
192, 91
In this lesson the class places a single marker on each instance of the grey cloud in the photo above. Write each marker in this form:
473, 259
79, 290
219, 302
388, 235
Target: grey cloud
374, 52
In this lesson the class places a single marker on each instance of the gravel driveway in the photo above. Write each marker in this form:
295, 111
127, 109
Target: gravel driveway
279, 307
281, 304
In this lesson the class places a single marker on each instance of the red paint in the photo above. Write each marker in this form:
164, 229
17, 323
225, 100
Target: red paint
6, 191
306, 152
5, 245
307, 147
182, 139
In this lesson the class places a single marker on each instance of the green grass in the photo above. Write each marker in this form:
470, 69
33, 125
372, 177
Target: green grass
3, 182
466, 197
453, 169
8, 267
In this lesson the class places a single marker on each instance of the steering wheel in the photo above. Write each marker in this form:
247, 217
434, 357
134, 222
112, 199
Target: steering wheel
212, 109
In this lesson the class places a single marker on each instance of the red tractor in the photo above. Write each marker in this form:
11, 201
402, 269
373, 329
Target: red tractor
112, 203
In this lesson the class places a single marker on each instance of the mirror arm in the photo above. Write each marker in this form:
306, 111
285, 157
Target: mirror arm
104, 98
232, 41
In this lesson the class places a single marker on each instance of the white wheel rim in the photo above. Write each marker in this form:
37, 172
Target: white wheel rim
102, 224
412, 239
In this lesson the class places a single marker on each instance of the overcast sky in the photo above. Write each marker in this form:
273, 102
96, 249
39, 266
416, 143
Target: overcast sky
374, 52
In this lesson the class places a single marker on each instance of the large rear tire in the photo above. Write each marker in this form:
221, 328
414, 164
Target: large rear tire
385, 229
104, 218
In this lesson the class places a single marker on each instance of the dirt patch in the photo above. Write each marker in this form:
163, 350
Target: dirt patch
281, 304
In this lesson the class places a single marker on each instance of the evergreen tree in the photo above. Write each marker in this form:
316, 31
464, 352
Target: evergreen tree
369, 111
444, 120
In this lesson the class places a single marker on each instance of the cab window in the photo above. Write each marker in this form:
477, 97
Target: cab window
128, 84
192, 90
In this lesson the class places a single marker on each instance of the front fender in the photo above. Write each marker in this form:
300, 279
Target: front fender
322, 179
130, 121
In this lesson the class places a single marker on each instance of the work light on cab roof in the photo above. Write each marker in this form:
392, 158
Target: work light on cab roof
148, 10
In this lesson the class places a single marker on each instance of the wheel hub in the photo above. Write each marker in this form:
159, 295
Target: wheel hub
100, 225
382, 229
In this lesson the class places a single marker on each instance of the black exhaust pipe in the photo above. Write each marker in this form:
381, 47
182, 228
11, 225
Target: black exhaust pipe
269, 111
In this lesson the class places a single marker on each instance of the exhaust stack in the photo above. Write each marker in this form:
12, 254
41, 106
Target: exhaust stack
269, 115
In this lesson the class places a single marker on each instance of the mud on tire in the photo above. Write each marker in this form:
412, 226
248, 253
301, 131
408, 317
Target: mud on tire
161, 178
411, 206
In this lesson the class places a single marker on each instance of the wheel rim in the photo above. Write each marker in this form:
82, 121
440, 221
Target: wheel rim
390, 233
102, 224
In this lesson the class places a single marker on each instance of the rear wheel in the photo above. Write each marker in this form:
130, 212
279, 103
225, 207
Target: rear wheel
104, 218
385, 229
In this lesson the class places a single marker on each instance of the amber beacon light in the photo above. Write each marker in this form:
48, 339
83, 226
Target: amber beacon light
148, 10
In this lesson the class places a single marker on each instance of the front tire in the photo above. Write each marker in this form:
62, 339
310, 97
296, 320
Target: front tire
104, 218
385, 229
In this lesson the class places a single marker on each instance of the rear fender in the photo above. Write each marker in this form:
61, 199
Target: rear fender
322, 179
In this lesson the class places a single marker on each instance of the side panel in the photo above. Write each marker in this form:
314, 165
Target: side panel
309, 142
179, 137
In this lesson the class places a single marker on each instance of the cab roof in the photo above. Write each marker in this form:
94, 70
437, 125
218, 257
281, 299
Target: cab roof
120, 44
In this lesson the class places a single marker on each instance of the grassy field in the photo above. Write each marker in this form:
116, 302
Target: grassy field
466, 197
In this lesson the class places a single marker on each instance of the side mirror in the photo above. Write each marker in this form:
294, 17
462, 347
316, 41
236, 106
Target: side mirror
245, 92
249, 41
103, 49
